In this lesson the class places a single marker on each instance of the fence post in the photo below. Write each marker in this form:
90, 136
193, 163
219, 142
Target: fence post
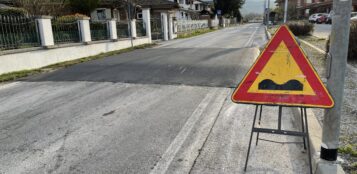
84, 29
112, 26
164, 25
171, 26
147, 22
45, 30
133, 28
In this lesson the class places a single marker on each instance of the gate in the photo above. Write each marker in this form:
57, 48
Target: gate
156, 29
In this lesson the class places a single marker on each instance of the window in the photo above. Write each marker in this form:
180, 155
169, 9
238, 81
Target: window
196, 7
101, 14
139, 16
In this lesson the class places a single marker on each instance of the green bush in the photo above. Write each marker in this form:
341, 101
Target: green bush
13, 11
70, 18
352, 46
300, 28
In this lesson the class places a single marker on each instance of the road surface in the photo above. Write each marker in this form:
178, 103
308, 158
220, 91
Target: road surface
322, 30
160, 110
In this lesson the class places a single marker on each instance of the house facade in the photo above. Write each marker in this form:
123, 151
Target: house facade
191, 9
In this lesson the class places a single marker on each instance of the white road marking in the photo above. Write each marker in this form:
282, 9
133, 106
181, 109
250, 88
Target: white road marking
250, 41
176, 144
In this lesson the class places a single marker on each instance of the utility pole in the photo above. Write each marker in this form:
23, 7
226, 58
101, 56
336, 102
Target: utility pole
336, 77
286, 11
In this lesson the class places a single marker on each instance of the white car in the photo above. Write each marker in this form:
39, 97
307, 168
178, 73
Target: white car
354, 18
318, 18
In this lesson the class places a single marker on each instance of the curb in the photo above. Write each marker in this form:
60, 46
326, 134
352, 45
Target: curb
319, 166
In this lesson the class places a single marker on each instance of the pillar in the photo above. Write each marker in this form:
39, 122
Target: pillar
164, 25
112, 26
45, 30
133, 28
84, 29
171, 26
147, 22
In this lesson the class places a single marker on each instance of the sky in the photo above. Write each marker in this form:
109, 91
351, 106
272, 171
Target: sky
255, 6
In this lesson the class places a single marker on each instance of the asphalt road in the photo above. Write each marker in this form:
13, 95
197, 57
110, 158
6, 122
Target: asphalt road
147, 111
322, 30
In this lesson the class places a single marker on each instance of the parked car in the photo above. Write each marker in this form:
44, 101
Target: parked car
354, 18
329, 17
318, 18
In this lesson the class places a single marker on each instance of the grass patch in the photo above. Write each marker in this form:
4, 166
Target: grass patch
349, 149
194, 33
20, 74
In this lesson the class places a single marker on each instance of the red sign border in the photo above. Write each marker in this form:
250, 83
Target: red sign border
283, 34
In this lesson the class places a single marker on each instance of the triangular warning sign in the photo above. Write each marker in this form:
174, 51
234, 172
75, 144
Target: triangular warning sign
282, 75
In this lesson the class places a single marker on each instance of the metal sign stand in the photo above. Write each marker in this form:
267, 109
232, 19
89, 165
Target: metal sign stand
304, 132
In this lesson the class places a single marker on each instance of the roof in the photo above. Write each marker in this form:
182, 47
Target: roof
153, 4
3, 6
158, 4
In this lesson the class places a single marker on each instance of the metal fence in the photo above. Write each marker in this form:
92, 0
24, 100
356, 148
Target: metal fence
191, 25
65, 31
99, 31
140, 30
122, 29
156, 29
18, 32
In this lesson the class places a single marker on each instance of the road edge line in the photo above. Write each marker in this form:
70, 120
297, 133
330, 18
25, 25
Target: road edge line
170, 153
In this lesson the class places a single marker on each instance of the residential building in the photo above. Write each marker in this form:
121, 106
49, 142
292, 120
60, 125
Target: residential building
191, 9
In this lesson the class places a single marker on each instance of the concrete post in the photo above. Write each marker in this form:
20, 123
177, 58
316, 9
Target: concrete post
171, 27
336, 77
147, 22
112, 26
164, 25
84, 29
133, 28
45, 30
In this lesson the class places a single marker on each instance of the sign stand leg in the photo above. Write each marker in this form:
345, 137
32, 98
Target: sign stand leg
304, 133
308, 140
303, 125
260, 118
251, 136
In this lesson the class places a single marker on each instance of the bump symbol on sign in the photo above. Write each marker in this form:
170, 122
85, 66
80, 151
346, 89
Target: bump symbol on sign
291, 85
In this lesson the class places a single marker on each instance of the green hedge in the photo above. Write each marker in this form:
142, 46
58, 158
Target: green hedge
352, 48
300, 28
70, 18
13, 11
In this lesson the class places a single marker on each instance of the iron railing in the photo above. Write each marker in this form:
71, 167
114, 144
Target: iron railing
140, 29
156, 29
18, 32
99, 31
123, 29
191, 25
65, 31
